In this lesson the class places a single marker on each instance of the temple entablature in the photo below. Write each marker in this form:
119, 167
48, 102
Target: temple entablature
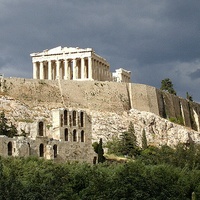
71, 63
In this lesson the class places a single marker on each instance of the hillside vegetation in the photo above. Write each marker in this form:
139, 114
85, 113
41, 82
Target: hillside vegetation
147, 178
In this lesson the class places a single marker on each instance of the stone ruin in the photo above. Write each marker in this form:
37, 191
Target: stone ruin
69, 138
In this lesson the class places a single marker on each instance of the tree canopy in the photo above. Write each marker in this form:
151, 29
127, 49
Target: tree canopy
166, 85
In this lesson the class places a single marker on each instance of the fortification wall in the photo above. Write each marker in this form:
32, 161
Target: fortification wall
101, 96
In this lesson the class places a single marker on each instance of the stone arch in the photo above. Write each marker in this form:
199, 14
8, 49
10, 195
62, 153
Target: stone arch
10, 148
74, 135
41, 150
65, 117
41, 128
74, 118
82, 136
66, 135
55, 151
82, 119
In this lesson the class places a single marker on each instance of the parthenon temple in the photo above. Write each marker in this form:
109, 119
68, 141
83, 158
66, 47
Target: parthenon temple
73, 63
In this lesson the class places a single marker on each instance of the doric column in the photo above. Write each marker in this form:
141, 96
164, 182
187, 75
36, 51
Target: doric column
66, 70
35, 70
83, 68
49, 70
90, 67
57, 69
41, 70
74, 69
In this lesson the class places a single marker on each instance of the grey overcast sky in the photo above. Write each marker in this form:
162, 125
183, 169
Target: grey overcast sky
154, 39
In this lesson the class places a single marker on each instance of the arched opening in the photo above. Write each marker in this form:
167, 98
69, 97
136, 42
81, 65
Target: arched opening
82, 136
74, 136
74, 117
55, 151
41, 128
66, 135
41, 149
65, 117
10, 148
81, 119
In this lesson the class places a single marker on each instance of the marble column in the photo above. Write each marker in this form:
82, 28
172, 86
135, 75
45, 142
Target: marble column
49, 70
41, 70
83, 68
57, 69
90, 67
74, 69
94, 69
35, 70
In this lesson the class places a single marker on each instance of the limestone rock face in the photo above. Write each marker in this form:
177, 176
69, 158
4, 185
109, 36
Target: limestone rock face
159, 131
107, 104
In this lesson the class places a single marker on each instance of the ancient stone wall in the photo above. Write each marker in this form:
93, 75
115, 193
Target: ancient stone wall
100, 96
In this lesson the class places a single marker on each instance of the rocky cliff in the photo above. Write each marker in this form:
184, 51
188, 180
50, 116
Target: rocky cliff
109, 105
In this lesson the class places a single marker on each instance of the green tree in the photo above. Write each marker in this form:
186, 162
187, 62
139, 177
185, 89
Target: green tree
129, 142
189, 97
101, 157
144, 140
5, 129
3, 124
166, 85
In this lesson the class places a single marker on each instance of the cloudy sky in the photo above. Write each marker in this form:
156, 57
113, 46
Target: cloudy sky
153, 39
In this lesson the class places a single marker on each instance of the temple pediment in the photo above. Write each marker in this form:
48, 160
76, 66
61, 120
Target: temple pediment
60, 50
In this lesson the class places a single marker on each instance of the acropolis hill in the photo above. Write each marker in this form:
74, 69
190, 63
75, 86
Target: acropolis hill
74, 99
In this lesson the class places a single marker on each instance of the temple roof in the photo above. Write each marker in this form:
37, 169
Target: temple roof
61, 50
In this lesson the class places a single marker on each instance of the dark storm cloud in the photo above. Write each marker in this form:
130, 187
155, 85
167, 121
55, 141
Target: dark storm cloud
152, 38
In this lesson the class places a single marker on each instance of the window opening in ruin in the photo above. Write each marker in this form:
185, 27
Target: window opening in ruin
81, 116
29, 149
74, 136
74, 118
10, 148
65, 117
41, 149
61, 120
66, 135
55, 151
82, 136
41, 127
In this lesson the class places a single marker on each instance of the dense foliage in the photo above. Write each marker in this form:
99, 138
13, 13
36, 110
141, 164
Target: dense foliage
166, 85
5, 129
37, 179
